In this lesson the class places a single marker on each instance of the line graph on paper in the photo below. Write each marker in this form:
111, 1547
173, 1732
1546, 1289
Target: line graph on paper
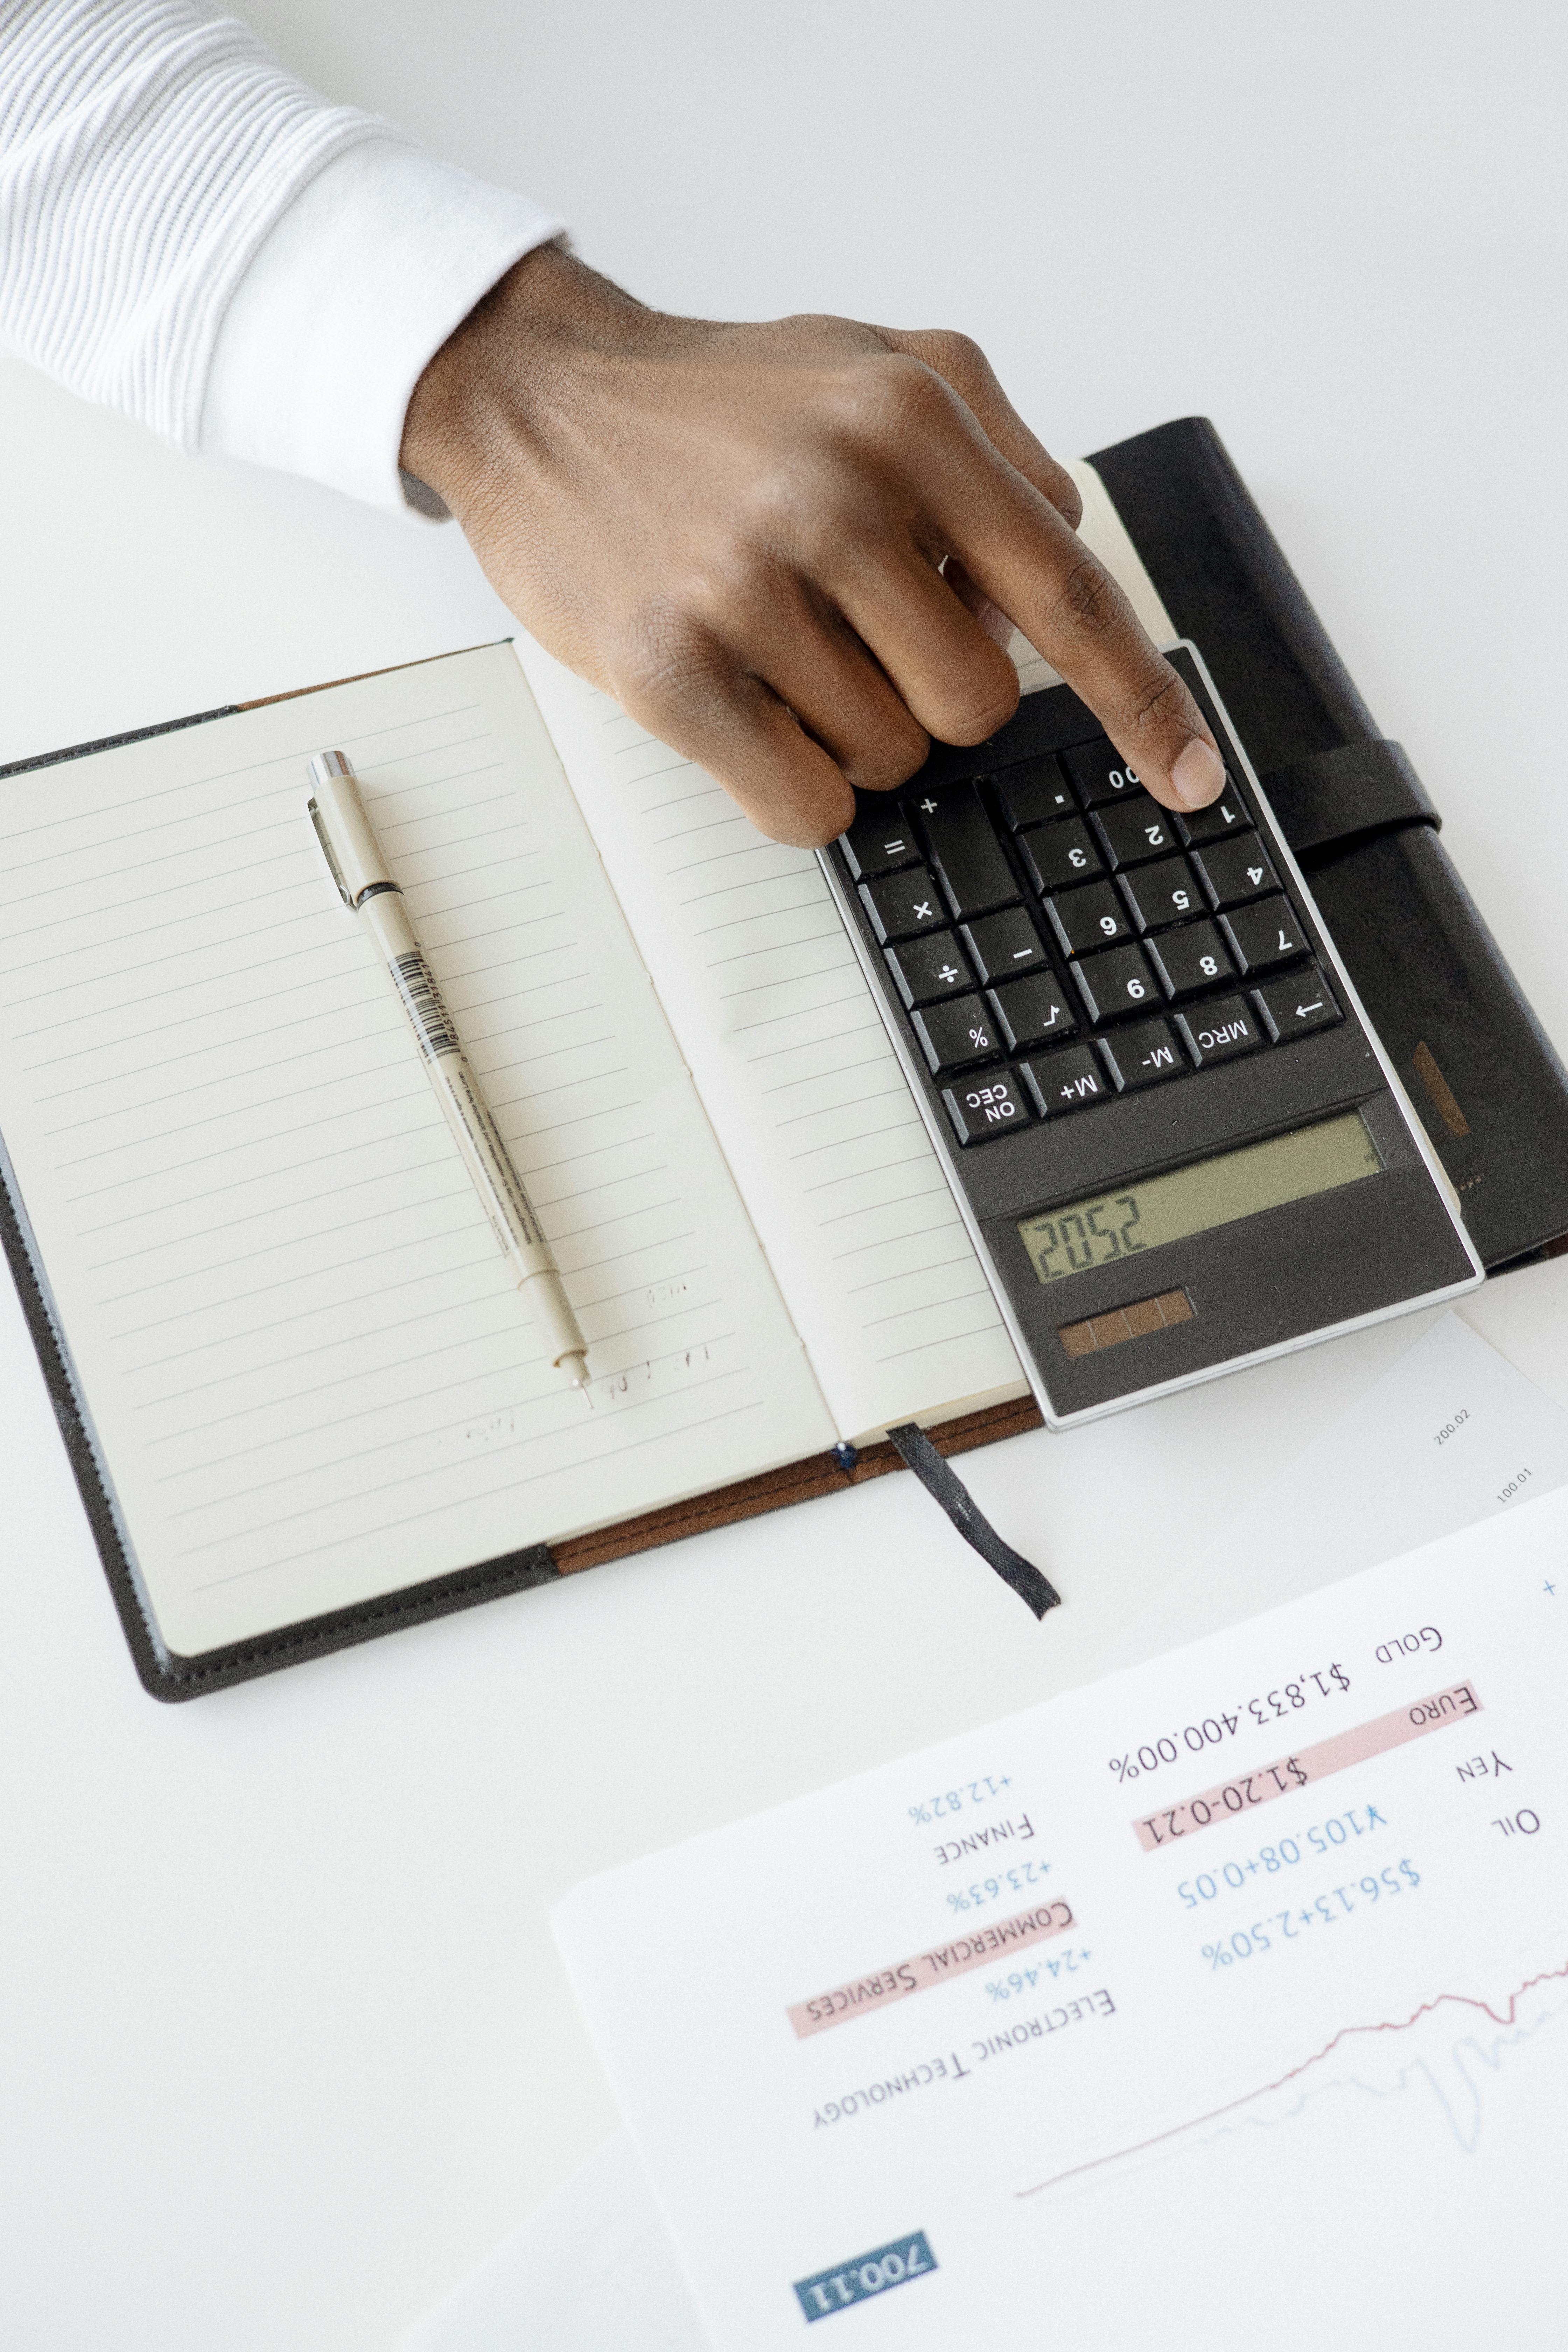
1450, 2044
1403, 2186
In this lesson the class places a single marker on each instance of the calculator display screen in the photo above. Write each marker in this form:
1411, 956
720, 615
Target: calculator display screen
1194, 1200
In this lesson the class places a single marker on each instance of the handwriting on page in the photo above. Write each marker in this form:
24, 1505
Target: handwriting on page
782, 1034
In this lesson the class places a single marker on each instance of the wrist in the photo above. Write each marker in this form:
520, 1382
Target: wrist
492, 393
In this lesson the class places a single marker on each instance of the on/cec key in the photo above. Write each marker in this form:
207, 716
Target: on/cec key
993, 1103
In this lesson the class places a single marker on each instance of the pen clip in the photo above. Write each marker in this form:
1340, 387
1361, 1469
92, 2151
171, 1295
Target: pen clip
335, 869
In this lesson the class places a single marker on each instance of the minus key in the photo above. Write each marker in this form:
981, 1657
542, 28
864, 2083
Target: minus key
1002, 946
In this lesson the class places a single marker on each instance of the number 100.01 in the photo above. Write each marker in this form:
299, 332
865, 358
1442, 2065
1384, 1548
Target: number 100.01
1085, 1238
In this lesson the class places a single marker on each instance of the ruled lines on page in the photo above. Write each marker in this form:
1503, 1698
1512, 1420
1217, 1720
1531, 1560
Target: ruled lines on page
312, 1375
815, 1118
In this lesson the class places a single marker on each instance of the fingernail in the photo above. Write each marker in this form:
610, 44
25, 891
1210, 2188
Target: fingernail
1197, 775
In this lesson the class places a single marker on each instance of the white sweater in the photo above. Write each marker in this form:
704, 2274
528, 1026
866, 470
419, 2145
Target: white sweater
189, 235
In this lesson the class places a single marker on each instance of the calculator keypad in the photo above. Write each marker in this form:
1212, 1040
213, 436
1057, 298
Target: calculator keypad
1100, 775
1057, 899
1292, 1007
1219, 821
880, 841
1115, 986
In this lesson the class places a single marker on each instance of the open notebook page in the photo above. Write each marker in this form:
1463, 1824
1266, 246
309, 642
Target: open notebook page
786, 1045
309, 1373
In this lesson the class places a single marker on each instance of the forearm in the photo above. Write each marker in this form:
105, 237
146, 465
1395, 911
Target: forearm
190, 236
787, 548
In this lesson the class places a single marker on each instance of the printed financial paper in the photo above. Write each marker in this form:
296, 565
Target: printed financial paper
890, 2052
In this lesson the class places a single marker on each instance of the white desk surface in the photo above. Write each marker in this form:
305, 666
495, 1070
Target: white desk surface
283, 2042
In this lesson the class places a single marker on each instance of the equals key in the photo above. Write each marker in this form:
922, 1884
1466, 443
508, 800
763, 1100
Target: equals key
879, 841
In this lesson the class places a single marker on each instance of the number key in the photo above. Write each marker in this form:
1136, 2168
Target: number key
1116, 985
1237, 870
903, 905
1264, 934
1059, 854
1100, 773
1225, 815
1085, 919
954, 1034
1190, 958
1138, 829
1166, 893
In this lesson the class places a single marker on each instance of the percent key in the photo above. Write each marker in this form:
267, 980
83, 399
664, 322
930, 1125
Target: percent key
956, 1034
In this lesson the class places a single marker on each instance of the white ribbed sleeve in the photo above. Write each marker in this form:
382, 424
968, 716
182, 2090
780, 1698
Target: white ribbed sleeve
189, 235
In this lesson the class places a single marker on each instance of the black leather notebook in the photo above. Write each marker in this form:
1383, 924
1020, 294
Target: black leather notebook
1479, 1067
1476, 1063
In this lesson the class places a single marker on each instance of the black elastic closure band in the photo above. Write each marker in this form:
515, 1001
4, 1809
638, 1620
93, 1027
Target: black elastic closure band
1346, 795
944, 1485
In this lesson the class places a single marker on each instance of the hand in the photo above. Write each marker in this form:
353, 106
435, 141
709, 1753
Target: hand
787, 550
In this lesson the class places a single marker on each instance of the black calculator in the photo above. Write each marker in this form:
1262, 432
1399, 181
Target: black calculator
1175, 1140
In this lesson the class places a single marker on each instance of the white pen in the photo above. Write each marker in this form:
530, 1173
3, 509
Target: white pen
366, 883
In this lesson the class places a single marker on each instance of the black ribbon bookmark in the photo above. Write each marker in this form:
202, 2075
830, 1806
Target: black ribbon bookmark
942, 1482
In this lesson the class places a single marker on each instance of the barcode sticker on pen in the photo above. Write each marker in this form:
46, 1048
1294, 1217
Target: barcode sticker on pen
432, 1023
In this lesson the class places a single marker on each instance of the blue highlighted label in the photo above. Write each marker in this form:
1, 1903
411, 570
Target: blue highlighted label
867, 2274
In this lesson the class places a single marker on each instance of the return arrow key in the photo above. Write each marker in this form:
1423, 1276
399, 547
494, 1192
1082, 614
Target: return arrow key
1293, 1006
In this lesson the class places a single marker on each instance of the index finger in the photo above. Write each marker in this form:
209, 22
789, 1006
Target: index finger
1013, 542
